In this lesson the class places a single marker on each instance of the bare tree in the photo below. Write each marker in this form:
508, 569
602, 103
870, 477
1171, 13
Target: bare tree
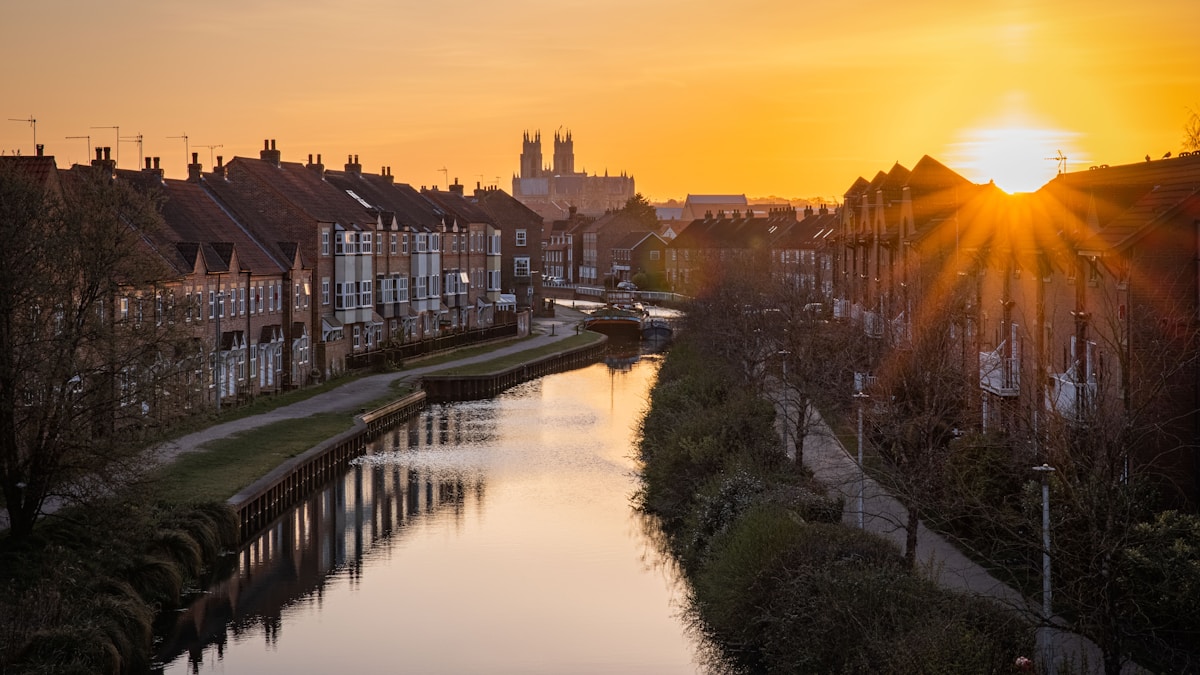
1191, 131
915, 410
89, 350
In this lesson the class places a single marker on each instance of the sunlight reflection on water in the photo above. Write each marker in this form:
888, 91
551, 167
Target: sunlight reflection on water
493, 536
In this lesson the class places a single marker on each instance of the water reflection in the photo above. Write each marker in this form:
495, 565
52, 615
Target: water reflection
491, 536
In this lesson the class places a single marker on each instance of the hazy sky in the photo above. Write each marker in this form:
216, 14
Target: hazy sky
760, 97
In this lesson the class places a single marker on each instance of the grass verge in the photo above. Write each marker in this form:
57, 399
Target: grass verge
221, 468
513, 360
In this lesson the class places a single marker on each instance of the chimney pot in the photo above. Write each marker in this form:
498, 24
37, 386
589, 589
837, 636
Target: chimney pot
195, 158
41, 150
107, 152
220, 160
266, 144
156, 162
147, 162
272, 143
310, 158
99, 154
318, 158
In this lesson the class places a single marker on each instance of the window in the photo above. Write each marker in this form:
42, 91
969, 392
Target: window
434, 285
325, 291
493, 280
422, 243
379, 244
654, 254
339, 243
324, 242
404, 243
454, 243
421, 292
253, 362
242, 300
435, 243
297, 296
365, 243
520, 234
212, 305
340, 296
450, 288
402, 288
392, 247
521, 266
357, 336
383, 290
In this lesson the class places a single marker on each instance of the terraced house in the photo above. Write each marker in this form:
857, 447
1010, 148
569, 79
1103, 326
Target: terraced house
1069, 306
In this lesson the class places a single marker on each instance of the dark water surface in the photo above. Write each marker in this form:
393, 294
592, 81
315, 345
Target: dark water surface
485, 537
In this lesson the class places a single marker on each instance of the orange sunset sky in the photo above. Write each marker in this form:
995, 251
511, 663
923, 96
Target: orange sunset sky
762, 97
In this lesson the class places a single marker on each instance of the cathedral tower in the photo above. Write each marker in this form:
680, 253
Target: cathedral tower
531, 155
564, 154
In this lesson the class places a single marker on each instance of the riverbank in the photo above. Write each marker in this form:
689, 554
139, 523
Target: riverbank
120, 562
777, 578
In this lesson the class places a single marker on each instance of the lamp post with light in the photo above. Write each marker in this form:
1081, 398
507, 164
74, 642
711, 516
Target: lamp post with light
860, 397
1047, 610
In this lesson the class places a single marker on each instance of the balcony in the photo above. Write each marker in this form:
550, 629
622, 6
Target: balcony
1069, 397
1000, 372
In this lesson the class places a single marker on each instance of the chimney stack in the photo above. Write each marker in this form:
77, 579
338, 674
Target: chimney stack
220, 171
152, 168
352, 166
194, 168
457, 188
269, 153
317, 167
103, 161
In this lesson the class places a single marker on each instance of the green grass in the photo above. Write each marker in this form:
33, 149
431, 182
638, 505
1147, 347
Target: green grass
221, 468
513, 360
218, 470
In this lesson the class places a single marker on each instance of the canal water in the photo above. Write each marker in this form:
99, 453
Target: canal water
493, 536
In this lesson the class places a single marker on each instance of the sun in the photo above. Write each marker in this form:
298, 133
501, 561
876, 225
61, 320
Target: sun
1016, 158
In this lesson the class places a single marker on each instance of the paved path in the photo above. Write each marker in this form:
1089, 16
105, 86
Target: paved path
352, 396
936, 557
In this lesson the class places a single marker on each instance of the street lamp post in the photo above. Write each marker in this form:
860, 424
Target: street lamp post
860, 397
1047, 610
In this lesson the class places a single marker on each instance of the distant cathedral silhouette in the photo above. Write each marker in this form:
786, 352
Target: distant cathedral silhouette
552, 191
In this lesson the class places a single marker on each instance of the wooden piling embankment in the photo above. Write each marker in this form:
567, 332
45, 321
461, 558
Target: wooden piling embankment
442, 388
268, 497
271, 495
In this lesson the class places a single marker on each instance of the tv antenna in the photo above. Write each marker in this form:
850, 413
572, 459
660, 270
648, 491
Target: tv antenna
1062, 161
117, 160
32, 122
87, 157
211, 162
135, 139
187, 152
446, 175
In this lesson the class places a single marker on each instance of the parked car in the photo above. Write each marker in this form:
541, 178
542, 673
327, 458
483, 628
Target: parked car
627, 286
552, 281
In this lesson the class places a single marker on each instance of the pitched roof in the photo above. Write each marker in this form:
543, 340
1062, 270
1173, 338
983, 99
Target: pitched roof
192, 215
400, 199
